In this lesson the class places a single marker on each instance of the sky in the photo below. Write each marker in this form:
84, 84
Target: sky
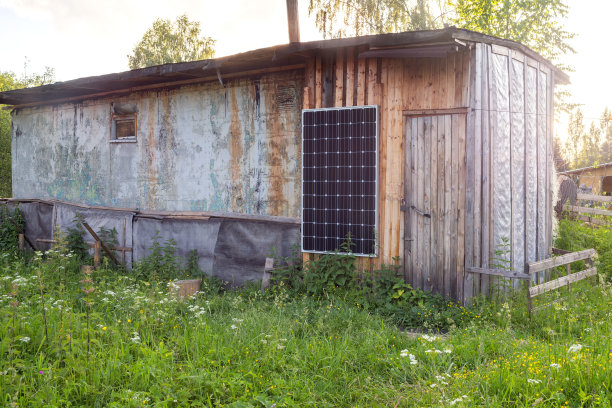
80, 38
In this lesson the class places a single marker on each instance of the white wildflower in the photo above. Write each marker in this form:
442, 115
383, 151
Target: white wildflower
404, 353
135, 338
555, 365
447, 351
429, 338
234, 327
413, 360
264, 341
574, 348
24, 339
532, 381
280, 346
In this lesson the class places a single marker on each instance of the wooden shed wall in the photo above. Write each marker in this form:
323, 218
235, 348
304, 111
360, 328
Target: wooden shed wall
397, 86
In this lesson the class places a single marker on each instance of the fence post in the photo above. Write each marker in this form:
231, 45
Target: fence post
96, 254
21, 242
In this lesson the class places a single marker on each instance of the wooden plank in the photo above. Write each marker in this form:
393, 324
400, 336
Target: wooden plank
439, 217
461, 202
407, 259
591, 220
420, 181
587, 210
382, 166
432, 112
477, 223
414, 169
558, 251
454, 205
318, 82
361, 81
95, 236
349, 85
395, 148
427, 242
592, 197
327, 84
459, 80
433, 199
443, 75
550, 164
562, 281
533, 267
448, 210
497, 272
339, 78
372, 81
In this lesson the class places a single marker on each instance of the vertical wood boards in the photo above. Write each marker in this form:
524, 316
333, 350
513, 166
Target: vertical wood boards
448, 213
408, 175
426, 164
433, 208
426, 207
550, 166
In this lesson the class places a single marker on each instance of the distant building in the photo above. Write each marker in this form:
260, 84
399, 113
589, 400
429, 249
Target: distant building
594, 180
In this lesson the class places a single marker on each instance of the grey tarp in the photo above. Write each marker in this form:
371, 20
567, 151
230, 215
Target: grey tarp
232, 247
121, 221
39, 221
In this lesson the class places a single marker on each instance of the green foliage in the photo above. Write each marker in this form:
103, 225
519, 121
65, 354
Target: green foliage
538, 24
148, 348
9, 234
329, 272
161, 264
337, 19
168, 41
575, 236
75, 237
10, 81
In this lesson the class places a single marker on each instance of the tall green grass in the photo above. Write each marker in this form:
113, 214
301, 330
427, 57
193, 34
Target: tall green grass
254, 349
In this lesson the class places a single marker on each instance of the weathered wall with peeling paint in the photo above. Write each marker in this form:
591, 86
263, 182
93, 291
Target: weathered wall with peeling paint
199, 148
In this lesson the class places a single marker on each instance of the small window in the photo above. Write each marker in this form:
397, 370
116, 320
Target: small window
124, 128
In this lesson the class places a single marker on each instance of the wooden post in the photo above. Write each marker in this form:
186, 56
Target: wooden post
267, 274
21, 242
104, 247
568, 270
293, 21
20, 231
97, 254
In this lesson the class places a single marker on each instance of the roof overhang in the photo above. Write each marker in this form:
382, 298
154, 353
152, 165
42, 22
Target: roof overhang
430, 43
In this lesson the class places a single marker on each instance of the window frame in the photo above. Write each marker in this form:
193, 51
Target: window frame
128, 139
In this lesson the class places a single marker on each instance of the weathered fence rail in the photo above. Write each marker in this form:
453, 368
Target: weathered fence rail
566, 259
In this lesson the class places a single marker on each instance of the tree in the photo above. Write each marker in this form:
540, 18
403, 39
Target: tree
167, 41
9, 81
361, 17
537, 24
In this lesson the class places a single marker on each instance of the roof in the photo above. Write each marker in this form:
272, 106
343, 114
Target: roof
586, 169
423, 43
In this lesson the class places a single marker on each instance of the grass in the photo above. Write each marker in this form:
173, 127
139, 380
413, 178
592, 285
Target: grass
253, 349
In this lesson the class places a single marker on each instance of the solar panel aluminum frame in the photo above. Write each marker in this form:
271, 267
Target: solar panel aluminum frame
374, 254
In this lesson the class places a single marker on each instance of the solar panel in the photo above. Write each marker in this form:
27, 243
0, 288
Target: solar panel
339, 170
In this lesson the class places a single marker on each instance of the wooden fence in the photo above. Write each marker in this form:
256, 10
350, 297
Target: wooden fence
565, 258
567, 280
585, 214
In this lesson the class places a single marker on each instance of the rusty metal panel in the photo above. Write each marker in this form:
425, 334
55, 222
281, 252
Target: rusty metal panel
209, 147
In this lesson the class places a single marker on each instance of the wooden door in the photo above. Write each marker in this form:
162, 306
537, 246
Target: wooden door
434, 201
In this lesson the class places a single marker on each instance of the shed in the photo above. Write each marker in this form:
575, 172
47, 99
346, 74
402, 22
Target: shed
598, 179
433, 148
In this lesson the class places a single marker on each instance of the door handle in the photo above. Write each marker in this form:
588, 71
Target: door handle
423, 213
